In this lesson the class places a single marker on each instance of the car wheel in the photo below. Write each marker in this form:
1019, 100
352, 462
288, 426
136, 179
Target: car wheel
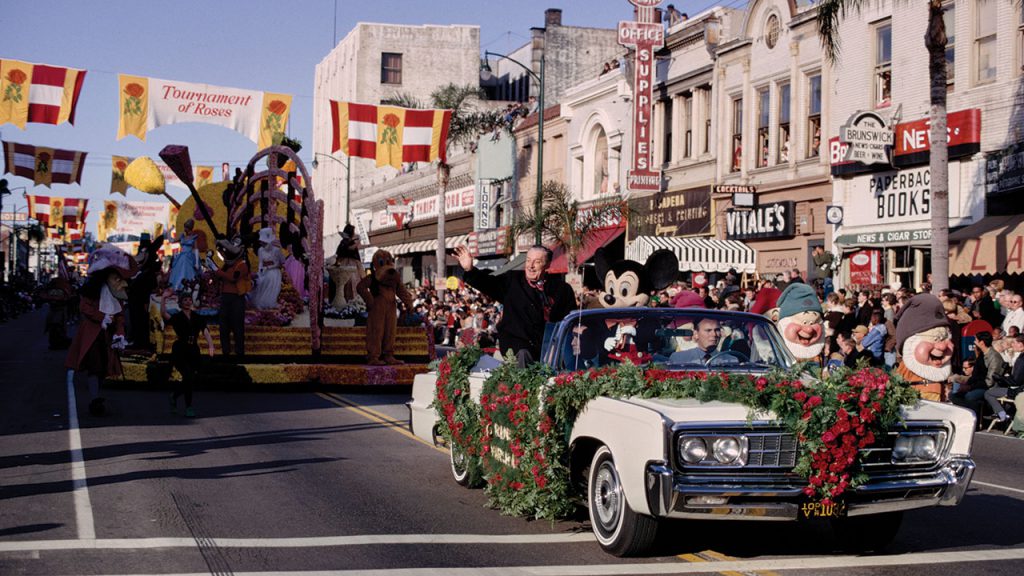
867, 533
618, 529
463, 467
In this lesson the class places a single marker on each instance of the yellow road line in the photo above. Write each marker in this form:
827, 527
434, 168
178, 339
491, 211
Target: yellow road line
376, 416
712, 556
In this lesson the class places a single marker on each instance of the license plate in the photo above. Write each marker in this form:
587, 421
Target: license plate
810, 510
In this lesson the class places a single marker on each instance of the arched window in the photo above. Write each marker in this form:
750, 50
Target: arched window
600, 173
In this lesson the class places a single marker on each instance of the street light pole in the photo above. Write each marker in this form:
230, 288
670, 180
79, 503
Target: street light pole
348, 181
538, 201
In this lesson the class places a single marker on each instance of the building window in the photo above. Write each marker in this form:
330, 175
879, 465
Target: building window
783, 152
390, 68
814, 116
985, 40
737, 134
600, 175
687, 125
949, 19
763, 115
1020, 38
883, 64
771, 31
705, 103
666, 158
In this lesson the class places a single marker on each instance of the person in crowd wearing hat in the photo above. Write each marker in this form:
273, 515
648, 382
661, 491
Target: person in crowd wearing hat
142, 285
235, 283
766, 298
925, 344
531, 298
100, 332
800, 321
185, 357
268, 280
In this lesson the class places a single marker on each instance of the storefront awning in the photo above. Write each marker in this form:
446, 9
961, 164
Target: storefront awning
600, 238
698, 254
994, 245
425, 246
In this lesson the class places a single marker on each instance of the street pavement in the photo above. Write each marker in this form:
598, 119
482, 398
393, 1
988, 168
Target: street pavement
318, 482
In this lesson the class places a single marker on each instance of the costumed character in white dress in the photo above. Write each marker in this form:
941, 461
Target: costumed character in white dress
268, 283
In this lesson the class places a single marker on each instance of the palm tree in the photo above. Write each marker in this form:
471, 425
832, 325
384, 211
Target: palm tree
36, 233
466, 124
830, 14
568, 226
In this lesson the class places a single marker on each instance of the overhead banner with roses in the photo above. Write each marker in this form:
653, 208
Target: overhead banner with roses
202, 175
148, 103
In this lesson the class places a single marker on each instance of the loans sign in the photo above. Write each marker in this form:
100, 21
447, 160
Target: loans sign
645, 35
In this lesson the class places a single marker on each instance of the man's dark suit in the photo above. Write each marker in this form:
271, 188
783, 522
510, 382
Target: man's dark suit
522, 320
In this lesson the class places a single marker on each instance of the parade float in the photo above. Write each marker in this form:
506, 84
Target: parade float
287, 339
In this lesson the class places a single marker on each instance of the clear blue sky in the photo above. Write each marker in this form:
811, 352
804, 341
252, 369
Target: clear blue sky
256, 44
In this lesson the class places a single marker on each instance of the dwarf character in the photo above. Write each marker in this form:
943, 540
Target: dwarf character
800, 321
926, 344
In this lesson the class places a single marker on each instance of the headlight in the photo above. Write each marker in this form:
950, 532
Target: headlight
924, 448
902, 448
911, 448
693, 449
726, 450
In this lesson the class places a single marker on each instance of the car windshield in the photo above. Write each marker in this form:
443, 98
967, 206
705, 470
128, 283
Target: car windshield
684, 339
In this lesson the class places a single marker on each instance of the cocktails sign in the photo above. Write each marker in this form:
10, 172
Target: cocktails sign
644, 35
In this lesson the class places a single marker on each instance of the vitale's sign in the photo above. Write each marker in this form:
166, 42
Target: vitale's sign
775, 220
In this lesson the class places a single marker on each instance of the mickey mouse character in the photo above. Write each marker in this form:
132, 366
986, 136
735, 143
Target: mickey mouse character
628, 284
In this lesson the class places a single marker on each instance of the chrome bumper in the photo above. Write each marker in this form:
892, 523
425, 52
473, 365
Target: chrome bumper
739, 498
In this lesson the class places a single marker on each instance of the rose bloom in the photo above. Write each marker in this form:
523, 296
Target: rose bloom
134, 90
121, 165
277, 107
16, 76
204, 174
391, 120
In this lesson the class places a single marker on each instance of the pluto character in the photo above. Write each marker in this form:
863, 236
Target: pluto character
382, 290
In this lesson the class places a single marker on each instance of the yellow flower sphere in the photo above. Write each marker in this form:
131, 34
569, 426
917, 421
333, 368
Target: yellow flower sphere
144, 175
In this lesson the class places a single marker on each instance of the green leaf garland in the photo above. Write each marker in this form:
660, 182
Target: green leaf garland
516, 437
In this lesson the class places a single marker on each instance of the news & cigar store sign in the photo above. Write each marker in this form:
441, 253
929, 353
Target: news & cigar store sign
774, 220
645, 35
868, 138
897, 196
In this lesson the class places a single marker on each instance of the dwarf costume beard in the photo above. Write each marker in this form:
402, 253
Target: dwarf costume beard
801, 351
926, 371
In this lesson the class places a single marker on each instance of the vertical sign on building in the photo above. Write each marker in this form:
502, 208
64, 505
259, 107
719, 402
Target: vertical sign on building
644, 36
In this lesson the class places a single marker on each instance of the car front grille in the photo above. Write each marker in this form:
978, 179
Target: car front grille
771, 450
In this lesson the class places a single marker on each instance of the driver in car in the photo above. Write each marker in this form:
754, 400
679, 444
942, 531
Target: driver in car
707, 334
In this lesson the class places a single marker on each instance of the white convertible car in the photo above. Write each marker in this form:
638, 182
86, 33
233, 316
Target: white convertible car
639, 461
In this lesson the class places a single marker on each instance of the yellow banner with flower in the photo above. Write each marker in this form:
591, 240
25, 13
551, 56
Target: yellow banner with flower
149, 103
274, 120
203, 176
390, 128
118, 164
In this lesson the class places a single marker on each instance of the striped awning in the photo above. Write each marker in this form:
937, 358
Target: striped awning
698, 254
426, 246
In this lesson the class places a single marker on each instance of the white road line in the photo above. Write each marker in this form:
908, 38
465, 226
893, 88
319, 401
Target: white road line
312, 542
83, 506
997, 486
807, 563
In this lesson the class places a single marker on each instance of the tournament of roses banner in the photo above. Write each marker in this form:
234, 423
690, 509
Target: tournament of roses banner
148, 103
124, 221
202, 175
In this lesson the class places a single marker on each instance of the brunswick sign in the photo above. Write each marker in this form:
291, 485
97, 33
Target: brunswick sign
644, 35
868, 137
